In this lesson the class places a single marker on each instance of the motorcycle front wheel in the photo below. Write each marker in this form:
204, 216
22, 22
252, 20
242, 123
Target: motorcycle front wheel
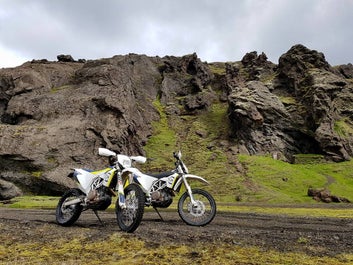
67, 215
129, 218
201, 212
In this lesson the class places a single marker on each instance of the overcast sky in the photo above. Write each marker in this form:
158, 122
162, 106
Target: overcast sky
217, 30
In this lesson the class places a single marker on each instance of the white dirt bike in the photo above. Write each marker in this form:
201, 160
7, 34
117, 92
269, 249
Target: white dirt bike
195, 206
96, 189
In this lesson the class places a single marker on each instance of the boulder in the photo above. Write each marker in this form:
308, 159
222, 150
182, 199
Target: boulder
324, 195
8, 190
66, 58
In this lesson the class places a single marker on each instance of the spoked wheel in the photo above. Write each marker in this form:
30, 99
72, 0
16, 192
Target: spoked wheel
66, 213
201, 212
130, 217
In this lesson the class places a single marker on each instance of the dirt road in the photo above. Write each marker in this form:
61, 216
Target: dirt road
319, 236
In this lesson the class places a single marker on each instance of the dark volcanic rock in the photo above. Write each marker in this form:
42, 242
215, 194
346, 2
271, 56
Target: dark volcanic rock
324, 195
346, 70
295, 63
302, 113
65, 58
186, 78
55, 115
262, 122
256, 66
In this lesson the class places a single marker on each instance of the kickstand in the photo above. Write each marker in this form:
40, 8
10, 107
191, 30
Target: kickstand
160, 216
96, 213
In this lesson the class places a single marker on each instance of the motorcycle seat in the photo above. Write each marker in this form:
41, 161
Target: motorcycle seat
162, 174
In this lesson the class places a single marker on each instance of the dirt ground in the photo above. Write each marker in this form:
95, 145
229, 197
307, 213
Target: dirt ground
314, 236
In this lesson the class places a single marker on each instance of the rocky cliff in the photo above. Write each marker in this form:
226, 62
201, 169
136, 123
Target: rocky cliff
55, 115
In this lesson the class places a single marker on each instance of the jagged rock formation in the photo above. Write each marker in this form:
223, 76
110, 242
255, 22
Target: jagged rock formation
55, 115
303, 106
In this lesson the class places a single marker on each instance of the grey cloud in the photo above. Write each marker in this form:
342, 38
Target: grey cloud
221, 30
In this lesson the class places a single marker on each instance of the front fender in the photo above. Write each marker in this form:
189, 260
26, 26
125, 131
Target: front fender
201, 179
191, 177
133, 175
129, 171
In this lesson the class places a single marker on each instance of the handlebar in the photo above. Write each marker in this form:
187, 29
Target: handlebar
177, 155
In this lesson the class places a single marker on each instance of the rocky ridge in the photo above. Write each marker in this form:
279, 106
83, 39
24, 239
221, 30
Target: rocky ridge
54, 115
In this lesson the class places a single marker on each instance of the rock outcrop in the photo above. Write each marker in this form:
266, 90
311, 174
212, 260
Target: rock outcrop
304, 108
55, 115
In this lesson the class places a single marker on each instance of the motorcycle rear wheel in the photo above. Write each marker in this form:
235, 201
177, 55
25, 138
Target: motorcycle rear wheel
130, 217
68, 215
200, 214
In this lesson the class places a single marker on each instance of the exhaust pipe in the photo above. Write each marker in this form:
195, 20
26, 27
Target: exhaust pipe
72, 202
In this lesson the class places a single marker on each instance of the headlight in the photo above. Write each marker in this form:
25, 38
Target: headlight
127, 163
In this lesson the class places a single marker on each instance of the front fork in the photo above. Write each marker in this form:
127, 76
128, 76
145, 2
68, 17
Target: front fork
188, 188
121, 195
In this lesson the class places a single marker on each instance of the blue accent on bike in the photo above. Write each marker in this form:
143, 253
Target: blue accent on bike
121, 198
135, 179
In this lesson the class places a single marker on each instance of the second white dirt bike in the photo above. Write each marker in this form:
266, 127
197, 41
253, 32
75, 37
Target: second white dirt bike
196, 206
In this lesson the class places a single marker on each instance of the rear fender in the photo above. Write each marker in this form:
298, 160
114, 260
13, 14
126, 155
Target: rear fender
84, 179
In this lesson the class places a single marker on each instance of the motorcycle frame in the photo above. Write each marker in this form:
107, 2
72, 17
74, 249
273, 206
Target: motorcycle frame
133, 175
85, 179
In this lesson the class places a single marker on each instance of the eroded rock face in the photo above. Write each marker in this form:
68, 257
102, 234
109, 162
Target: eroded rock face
55, 115
299, 111
259, 119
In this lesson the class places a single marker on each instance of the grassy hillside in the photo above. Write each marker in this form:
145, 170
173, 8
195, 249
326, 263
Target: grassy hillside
204, 142
277, 181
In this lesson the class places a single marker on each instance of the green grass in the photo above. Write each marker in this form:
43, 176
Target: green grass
120, 249
162, 144
57, 89
218, 69
200, 145
280, 182
33, 202
343, 128
298, 209
288, 100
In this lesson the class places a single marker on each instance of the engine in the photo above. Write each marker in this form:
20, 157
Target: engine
99, 199
162, 198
